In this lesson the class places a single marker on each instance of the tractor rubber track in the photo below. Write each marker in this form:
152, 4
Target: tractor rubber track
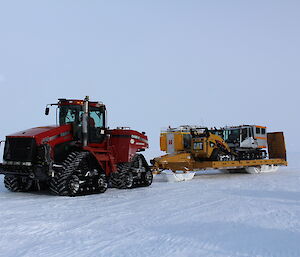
15, 184
122, 178
125, 177
74, 177
59, 183
146, 177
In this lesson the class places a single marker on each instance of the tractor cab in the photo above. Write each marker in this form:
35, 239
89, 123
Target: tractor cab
88, 119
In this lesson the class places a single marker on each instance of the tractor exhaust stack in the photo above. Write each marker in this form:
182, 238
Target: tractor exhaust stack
85, 118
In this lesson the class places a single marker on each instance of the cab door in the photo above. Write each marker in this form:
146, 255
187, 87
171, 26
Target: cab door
170, 143
96, 125
247, 138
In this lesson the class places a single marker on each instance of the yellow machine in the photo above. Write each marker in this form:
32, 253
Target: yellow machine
192, 148
175, 140
203, 144
207, 145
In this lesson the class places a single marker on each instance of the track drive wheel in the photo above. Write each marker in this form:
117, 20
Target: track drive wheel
18, 184
102, 184
131, 174
77, 176
139, 164
147, 178
122, 178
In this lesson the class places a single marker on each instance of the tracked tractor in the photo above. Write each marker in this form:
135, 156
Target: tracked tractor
79, 155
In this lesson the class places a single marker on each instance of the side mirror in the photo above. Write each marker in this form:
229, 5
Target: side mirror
47, 110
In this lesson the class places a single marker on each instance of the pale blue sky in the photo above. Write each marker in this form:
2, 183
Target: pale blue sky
153, 63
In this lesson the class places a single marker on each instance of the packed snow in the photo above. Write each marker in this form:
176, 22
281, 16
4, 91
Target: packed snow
211, 215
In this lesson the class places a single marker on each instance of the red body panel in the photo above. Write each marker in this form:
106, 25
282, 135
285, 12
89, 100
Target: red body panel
47, 134
52, 135
42, 153
119, 146
126, 143
104, 155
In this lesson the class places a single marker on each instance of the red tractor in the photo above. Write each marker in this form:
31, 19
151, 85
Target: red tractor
79, 156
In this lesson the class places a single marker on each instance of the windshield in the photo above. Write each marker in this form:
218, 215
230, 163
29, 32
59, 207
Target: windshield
69, 114
232, 135
73, 114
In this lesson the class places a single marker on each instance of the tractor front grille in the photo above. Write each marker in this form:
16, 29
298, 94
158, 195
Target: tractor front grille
19, 149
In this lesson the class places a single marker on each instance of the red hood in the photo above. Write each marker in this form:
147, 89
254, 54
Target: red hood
47, 132
33, 132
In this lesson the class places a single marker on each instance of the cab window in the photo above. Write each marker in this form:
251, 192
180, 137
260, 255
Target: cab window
96, 119
251, 132
244, 133
232, 135
70, 114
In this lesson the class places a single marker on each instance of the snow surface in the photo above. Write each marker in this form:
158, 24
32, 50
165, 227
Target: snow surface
211, 215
